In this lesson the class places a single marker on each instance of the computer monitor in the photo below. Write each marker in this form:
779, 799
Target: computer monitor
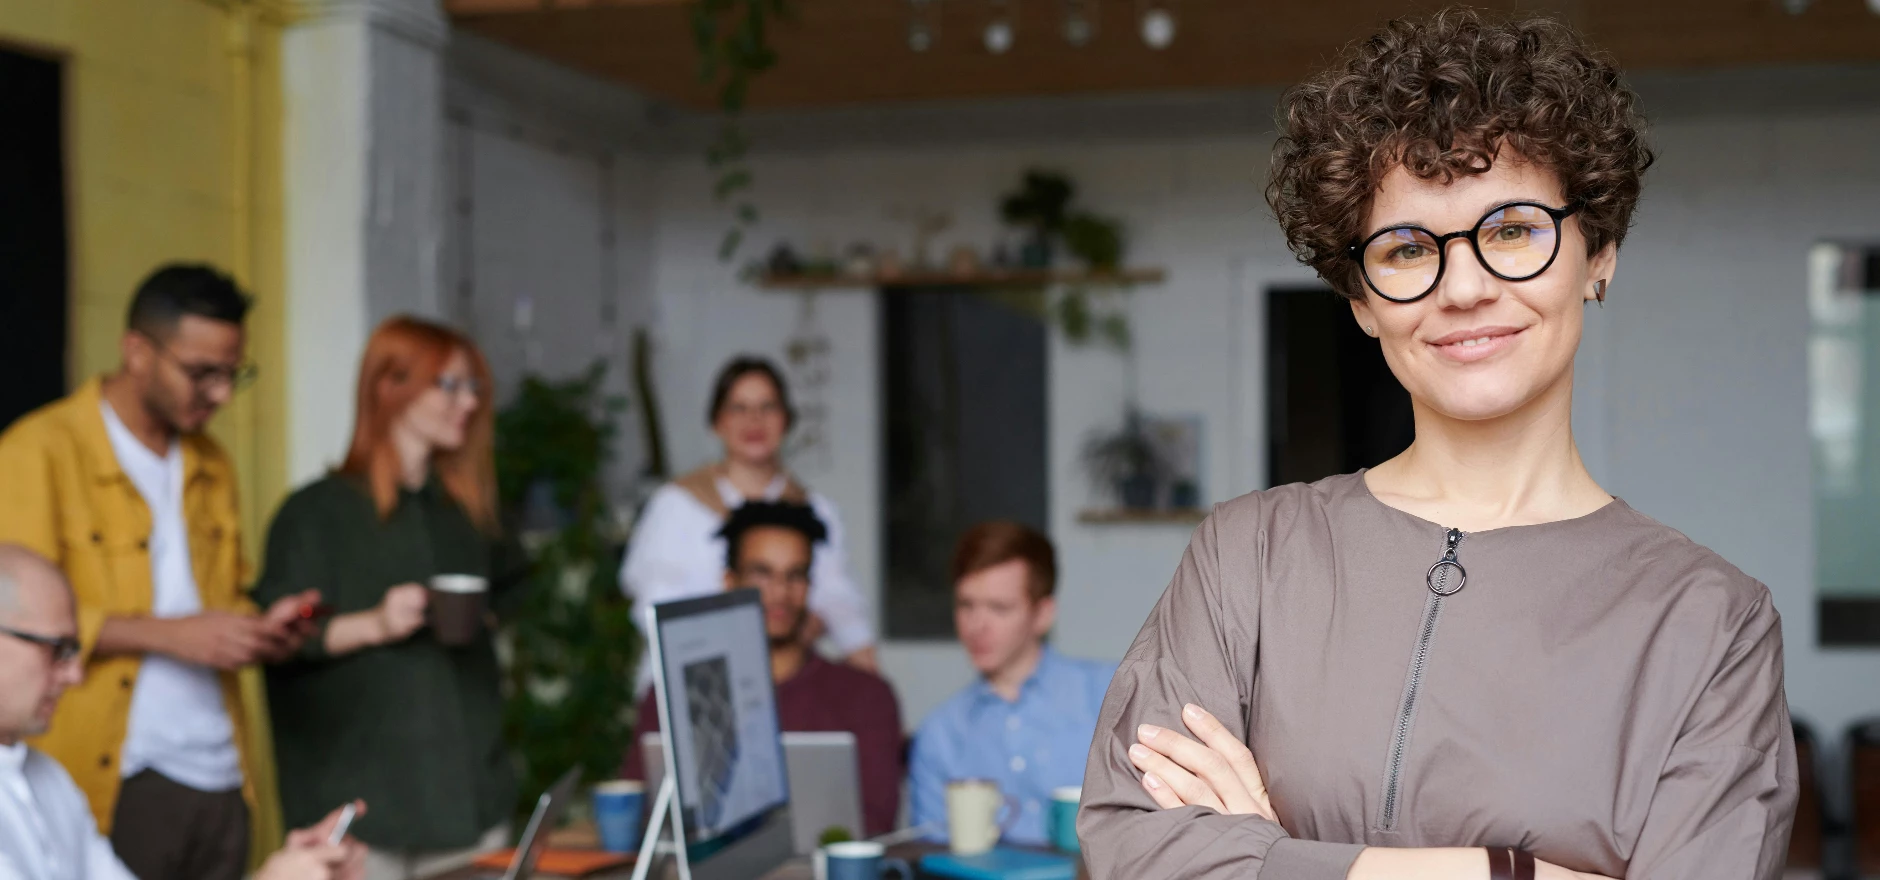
724, 746
825, 782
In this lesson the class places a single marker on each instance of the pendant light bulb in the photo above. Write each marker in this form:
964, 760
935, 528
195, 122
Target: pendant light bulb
1158, 28
999, 36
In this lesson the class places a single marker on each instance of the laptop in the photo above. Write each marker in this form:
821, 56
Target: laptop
548, 811
825, 783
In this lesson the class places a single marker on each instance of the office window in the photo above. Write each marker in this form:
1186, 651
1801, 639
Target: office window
1844, 433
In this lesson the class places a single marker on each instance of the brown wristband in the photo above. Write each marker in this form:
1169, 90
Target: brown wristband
1523, 864
1500, 863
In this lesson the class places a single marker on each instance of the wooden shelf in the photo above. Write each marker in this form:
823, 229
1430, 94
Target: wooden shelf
987, 278
1186, 516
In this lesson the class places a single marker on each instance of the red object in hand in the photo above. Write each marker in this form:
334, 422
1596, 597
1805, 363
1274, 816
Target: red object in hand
316, 611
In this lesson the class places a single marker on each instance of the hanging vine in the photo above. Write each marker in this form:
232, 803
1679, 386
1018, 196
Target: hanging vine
732, 37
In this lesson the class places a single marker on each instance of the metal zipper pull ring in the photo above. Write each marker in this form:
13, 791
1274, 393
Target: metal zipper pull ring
1447, 576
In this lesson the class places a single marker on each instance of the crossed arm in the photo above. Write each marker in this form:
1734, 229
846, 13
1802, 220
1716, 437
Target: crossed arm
1219, 773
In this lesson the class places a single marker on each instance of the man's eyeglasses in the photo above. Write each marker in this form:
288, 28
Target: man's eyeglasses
64, 648
1514, 242
204, 376
762, 576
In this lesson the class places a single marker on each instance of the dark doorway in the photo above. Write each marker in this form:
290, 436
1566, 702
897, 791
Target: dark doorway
32, 234
1332, 404
964, 397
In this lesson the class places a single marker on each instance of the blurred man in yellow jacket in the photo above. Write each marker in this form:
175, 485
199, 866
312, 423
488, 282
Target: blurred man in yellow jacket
119, 487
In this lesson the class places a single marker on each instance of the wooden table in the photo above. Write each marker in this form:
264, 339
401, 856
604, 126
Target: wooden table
795, 869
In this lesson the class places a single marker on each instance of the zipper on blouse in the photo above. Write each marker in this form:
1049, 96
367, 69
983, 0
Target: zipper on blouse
1445, 578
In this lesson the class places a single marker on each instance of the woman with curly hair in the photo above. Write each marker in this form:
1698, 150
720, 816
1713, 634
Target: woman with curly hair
1470, 661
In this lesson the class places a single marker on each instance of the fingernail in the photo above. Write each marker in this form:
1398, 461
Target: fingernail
1147, 731
1138, 752
1193, 711
1149, 780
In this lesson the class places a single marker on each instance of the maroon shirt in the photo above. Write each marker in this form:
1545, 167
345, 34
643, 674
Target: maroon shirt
825, 696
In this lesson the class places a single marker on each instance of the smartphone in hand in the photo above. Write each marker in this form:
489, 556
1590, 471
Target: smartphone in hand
343, 825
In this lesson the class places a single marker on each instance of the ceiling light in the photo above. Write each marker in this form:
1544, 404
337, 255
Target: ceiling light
921, 30
1080, 22
998, 36
1158, 28
1000, 31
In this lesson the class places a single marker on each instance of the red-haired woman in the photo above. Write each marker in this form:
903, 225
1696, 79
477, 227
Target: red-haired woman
374, 706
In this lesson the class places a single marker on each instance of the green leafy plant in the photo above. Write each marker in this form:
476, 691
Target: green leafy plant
1040, 202
1126, 461
834, 834
1043, 205
732, 38
1098, 241
570, 650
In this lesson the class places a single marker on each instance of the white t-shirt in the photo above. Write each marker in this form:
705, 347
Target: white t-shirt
179, 726
46, 829
675, 553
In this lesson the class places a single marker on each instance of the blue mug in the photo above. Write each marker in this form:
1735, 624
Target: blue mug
618, 806
861, 860
1063, 824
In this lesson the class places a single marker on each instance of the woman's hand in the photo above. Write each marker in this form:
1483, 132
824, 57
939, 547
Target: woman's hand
1218, 772
401, 612
309, 855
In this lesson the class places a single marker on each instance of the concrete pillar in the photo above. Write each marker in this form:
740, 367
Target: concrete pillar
364, 208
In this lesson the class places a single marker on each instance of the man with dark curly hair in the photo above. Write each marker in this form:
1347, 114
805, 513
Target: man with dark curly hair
1470, 661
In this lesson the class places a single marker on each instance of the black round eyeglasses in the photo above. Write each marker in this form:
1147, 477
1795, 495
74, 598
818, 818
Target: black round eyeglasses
1514, 242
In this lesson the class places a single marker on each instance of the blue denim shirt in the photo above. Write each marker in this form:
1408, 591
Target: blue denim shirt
1029, 747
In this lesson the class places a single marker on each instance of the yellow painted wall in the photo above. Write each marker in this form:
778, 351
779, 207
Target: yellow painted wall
173, 121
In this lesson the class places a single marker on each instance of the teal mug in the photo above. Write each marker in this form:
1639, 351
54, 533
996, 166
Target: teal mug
860, 860
1063, 824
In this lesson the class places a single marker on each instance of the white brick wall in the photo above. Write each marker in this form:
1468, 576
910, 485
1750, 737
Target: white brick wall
1691, 384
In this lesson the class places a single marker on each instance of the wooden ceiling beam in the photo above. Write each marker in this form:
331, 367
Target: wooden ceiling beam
836, 52
472, 8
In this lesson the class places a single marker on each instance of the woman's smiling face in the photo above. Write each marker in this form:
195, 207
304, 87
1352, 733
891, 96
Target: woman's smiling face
1478, 346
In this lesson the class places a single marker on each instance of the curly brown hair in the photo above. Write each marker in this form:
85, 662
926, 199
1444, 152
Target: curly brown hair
1440, 96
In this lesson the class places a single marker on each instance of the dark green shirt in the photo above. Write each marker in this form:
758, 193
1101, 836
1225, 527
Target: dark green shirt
414, 728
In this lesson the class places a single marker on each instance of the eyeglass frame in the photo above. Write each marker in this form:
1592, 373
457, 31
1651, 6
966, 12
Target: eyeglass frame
238, 377
1559, 216
65, 649
455, 385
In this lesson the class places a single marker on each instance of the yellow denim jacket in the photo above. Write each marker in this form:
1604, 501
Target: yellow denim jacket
63, 495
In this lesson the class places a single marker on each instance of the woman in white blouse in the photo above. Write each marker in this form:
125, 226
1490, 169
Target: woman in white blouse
676, 553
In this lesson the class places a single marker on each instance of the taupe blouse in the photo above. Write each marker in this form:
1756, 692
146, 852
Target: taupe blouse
1601, 691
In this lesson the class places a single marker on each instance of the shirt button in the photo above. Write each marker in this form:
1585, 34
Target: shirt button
1018, 764
126, 681
97, 538
104, 761
143, 543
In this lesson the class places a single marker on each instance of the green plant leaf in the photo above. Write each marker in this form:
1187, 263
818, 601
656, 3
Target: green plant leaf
1073, 313
1098, 241
747, 213
730, 182
728, 246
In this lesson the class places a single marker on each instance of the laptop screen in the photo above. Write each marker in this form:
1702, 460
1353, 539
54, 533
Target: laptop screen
718, 710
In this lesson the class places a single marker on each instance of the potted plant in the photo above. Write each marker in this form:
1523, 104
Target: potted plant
1039, 206
1126, 461
569, 652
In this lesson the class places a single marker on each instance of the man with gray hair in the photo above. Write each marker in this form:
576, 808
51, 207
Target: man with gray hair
46, 827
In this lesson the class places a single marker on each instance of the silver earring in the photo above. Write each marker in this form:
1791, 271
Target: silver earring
1369, 332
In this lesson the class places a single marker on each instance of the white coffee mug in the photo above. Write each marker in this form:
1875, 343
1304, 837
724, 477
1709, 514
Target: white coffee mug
973, 823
